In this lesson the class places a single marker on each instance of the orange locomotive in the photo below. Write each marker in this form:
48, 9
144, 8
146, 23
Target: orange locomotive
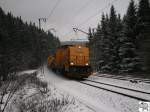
72, 61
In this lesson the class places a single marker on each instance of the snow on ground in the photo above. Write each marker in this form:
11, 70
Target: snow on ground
121, 91
71, 95
30, 97
54, 80
97, 99
26, 72
141, 86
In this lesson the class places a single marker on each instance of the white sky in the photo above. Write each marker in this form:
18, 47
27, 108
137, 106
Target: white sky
67, 14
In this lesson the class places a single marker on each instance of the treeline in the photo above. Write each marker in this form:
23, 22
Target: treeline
122, 45
22, 45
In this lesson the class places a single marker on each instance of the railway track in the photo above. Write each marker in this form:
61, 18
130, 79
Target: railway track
118, 86
126, 78
132, 93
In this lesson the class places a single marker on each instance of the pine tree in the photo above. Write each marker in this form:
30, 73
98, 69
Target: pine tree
93, 45
113, 41
143, 28
91, 49
90, 35
106, 42
128, 49
104, 46
21, 45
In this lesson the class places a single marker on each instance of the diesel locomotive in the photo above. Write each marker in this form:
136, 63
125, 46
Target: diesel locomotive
71, 61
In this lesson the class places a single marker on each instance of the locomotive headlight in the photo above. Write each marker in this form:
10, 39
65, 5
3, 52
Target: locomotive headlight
87, 64
79, 47
71, 63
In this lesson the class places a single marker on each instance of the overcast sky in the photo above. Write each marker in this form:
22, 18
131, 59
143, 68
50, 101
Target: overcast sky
66, 15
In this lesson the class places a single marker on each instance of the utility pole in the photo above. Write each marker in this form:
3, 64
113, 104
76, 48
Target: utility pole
42, 19
42, 65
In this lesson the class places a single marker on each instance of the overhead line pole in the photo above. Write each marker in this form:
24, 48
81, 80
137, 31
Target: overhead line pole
42, 19
42, 66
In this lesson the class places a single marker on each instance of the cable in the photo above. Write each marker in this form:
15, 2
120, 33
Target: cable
53, 9
55, 6
84, 6
89, 18
78, 12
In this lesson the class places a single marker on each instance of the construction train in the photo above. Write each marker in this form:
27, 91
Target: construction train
71, 61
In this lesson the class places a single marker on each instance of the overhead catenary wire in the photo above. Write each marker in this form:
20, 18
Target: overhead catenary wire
100, 11
92, 16
79, 11
53, 9
82, 8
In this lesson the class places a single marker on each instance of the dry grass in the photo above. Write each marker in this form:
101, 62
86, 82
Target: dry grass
41, 100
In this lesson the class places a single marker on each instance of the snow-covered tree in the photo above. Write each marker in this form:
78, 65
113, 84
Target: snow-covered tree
143, 30
22, 45
128, 49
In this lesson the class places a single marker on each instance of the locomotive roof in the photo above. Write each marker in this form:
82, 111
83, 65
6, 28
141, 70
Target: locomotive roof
69, 43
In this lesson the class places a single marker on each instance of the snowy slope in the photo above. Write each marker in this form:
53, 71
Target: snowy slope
30, 96
98, 100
